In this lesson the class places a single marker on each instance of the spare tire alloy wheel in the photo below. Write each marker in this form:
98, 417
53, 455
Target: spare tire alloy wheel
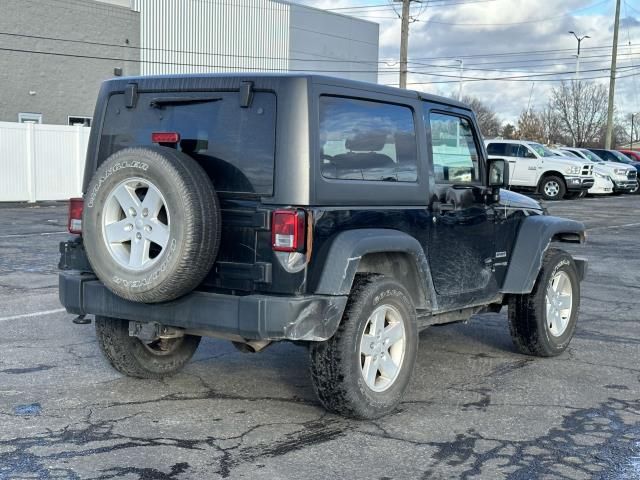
151, 224
135, 229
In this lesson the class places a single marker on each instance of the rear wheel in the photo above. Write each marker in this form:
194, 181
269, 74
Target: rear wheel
363, 370
552, 187
135, 358
542, 323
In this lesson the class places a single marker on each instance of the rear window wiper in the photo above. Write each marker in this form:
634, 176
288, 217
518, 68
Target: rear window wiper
160, 102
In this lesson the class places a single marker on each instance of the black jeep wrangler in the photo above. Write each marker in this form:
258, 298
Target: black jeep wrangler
342, 215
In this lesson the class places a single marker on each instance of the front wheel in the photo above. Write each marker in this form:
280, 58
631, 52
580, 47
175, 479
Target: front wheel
636, 188
135, 358
542, 322
364, 369
552, 188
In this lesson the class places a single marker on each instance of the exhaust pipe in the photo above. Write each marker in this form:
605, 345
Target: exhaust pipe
252, 346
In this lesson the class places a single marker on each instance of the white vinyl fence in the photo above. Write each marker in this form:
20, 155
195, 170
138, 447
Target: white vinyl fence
41, 162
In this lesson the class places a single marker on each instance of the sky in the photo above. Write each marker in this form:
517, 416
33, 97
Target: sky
505, 38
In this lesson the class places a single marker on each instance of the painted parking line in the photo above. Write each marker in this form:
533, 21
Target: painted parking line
31, 315
14, 235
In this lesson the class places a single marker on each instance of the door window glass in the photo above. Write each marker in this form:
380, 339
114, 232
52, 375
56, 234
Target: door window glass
363, 140
525, 152
455, 155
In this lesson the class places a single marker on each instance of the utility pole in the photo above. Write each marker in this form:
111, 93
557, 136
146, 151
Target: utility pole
612, 80
404, 42
580, 39
632, 117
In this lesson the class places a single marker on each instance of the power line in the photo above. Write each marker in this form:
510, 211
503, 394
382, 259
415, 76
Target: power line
238, 68
471, 68
538, 20
527, 63
434, 3
510, 54
516, 77
190, 52
331, 59
516, 80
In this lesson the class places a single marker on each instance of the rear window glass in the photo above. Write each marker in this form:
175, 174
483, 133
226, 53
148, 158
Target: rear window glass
364, 140
236, 146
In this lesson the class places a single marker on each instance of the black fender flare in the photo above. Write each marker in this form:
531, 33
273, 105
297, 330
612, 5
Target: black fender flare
534, 237
348, 248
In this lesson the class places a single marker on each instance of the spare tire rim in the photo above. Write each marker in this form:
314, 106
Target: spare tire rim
559, 303
382, 348
136, 224
552, 188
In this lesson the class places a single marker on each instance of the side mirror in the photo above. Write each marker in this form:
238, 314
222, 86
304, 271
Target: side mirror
498, 173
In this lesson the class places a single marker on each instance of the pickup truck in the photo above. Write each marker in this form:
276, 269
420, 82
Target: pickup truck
535, 168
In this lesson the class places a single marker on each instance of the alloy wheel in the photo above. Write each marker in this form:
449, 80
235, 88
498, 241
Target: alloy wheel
382, 348
559, 303
135, 223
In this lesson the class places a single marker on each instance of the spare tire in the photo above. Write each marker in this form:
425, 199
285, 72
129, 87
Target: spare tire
151, 224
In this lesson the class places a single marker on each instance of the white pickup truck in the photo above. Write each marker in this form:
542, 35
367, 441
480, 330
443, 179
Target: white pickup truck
624, 177
534, 167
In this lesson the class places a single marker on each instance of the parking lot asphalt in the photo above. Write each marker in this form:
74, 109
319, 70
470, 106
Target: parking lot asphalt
475, 409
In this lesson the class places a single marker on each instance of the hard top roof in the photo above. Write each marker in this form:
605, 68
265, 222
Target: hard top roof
313, 78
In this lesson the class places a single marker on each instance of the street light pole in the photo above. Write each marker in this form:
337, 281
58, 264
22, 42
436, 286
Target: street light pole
579, 39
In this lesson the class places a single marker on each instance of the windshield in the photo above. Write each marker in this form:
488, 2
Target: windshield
591, 156
542, 150
623, 158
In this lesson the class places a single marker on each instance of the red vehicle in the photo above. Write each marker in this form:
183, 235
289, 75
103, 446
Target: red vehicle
632, 154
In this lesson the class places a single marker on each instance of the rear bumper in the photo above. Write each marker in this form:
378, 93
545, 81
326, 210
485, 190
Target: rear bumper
250, 317
579, 183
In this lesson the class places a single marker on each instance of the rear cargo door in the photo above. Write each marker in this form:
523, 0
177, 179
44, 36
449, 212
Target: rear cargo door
235, 145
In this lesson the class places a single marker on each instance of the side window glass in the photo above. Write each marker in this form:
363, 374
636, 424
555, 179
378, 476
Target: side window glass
364, 140
528, 153
455, 156
497, 149
513, 150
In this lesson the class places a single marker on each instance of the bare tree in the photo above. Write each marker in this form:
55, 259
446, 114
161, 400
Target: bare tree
582, 110
530, 126
487, 118
551, 126
508, 131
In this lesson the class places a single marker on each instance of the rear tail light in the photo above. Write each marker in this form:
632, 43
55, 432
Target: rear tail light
74, 224
288, 230
165, 137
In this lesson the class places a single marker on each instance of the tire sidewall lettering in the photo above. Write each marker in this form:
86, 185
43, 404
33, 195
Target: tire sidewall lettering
562, 263
386, 294
150, 279
116, 167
